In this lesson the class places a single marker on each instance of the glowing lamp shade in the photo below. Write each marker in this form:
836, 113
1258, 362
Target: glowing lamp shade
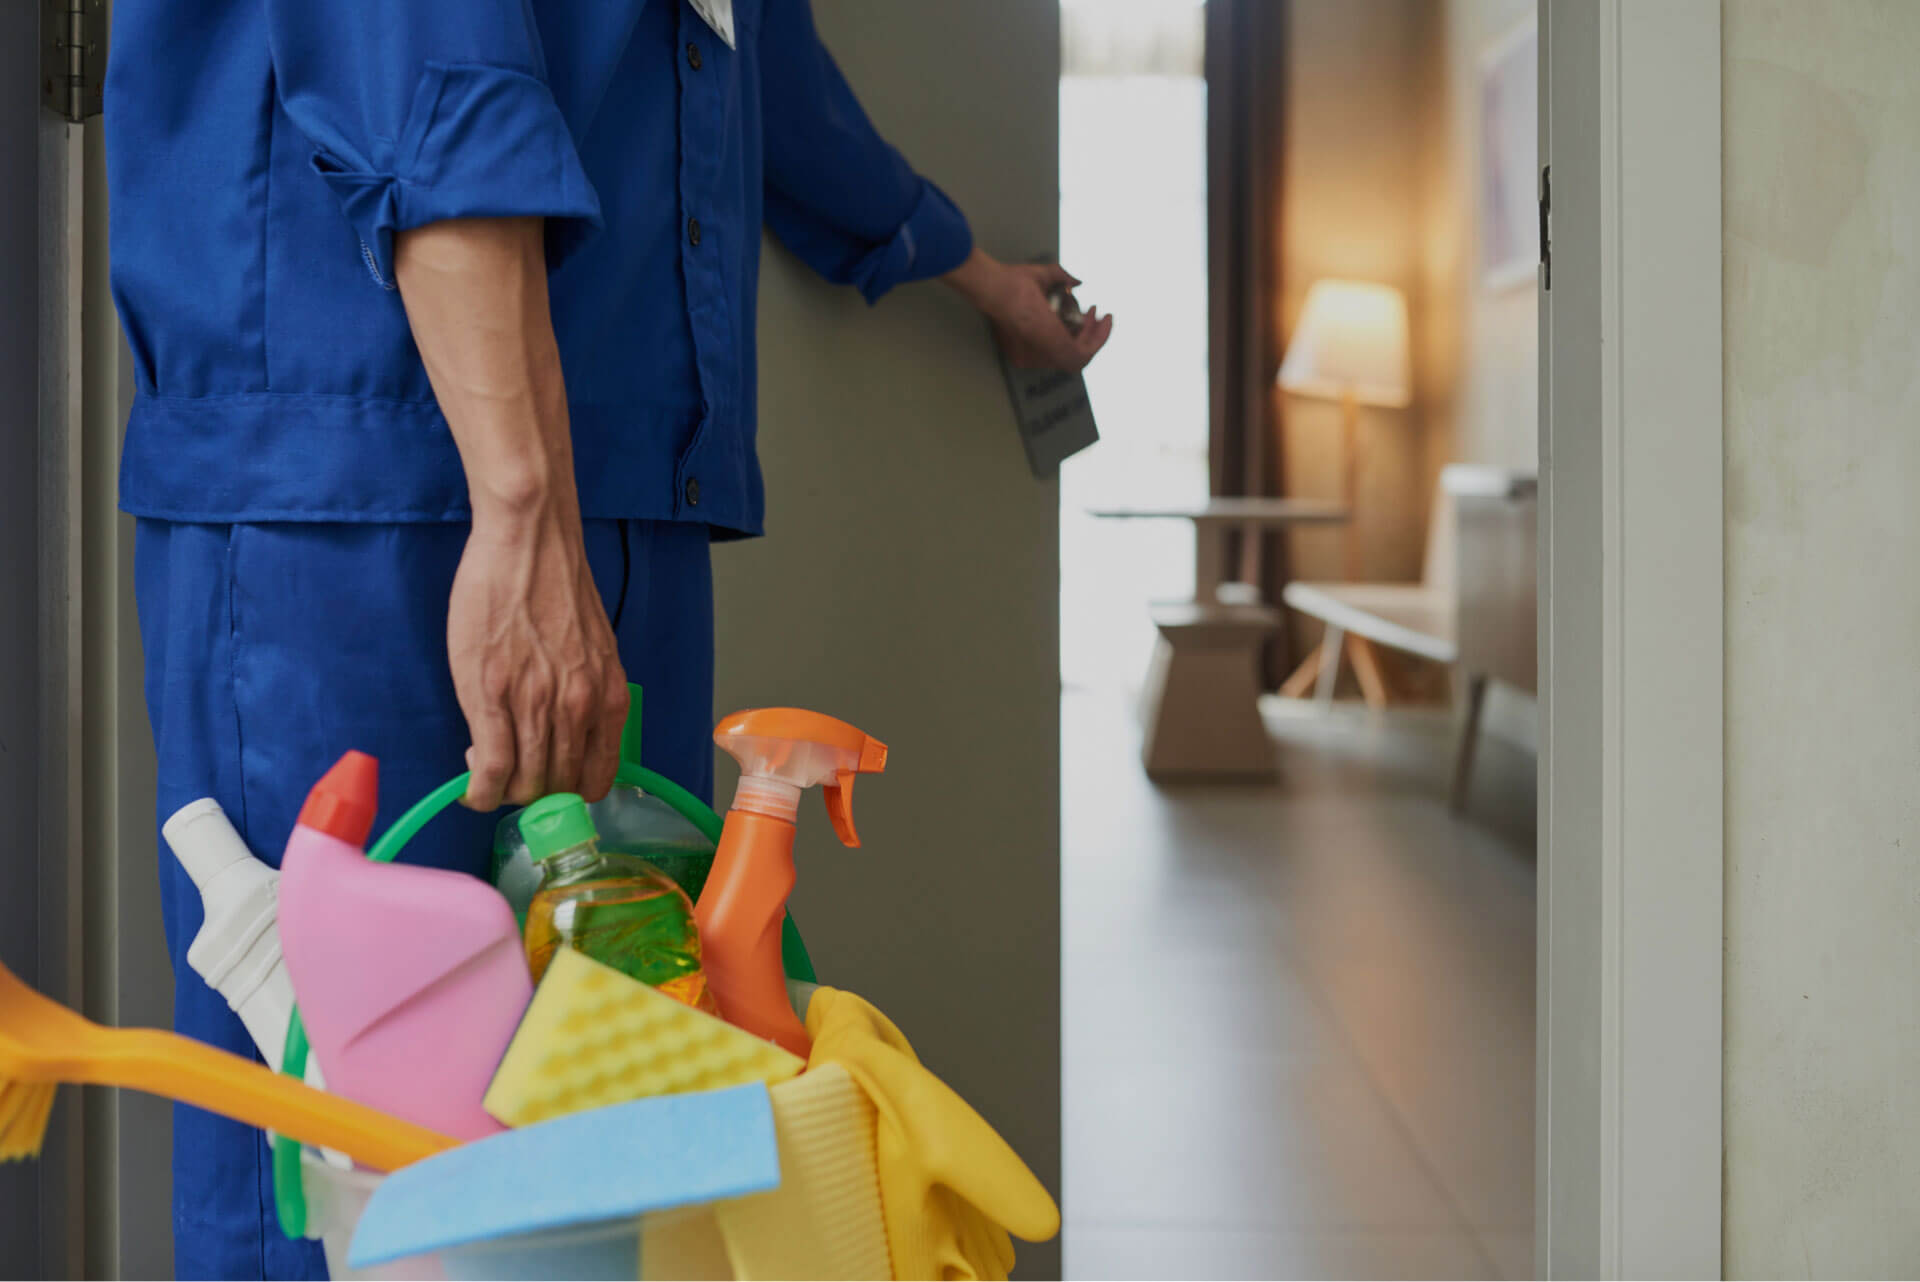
1351, 342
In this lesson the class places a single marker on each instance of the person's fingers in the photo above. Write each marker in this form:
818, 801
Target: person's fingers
1052, 348
1057, 353
598, 764
1092, 337
602, 760
574, 717
1080, 344
1050, 343
1052, 274
532, 735
491, 758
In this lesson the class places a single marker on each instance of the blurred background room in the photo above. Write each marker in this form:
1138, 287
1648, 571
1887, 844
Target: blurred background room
1297, 639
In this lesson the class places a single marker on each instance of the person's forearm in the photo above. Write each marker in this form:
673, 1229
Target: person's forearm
476, 296
976, 278
533, 658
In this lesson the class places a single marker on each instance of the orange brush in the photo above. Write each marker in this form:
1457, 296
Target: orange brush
42, 1044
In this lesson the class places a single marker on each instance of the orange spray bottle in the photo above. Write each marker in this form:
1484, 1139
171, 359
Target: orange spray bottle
782, 752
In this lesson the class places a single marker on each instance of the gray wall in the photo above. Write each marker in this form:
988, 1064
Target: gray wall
909, 582
1822, 307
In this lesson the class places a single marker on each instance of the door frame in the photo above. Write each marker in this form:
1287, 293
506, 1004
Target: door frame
104, 1178
61, 970
1628, 1087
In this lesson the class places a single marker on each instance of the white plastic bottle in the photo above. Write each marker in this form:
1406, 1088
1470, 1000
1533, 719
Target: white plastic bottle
238, 948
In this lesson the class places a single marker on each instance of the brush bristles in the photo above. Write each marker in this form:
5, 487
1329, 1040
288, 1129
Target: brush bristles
24, 1109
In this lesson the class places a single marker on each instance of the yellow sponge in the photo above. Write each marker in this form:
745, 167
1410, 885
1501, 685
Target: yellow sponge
824, 1221
593, 1036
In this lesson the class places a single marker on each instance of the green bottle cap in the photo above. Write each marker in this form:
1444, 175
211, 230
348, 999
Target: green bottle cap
556, 823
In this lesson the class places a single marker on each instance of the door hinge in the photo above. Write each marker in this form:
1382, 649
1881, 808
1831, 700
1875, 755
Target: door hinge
1546, 227
73, 57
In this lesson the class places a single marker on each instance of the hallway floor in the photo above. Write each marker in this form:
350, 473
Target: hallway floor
1298, 1017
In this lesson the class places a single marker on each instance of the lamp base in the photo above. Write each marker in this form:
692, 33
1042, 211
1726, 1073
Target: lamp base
1351, 448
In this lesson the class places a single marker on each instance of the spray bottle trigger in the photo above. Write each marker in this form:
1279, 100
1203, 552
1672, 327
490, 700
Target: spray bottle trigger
839, 798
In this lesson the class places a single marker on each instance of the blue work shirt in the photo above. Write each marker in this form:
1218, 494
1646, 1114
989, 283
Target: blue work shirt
262, 154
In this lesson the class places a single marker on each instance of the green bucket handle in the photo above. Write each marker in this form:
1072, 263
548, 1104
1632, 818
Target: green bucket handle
289, 1195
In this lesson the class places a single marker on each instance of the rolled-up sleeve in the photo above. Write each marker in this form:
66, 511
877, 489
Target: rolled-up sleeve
836, 193
427, 110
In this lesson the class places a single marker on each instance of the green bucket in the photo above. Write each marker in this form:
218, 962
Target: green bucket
289, 1194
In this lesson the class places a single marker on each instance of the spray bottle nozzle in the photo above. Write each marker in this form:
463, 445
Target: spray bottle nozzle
782, 751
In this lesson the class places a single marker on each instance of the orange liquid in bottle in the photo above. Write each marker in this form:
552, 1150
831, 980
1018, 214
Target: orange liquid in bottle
640, 925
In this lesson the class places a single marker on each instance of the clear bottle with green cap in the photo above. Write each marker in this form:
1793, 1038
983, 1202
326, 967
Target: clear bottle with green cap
630, 822
617, 909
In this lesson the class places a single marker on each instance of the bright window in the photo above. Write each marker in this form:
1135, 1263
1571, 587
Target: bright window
1133, 225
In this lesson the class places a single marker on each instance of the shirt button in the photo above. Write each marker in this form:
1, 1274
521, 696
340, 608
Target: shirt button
693, 56
693, 231
693, 491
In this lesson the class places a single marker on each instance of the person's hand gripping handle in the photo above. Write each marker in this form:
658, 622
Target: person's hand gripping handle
533, 658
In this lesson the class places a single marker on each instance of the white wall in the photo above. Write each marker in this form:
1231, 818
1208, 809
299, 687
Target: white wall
1479, 376
1822, 369
909, 582
1476, 350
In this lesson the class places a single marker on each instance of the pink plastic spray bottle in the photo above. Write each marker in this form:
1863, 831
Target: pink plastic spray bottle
781, 751
411, 981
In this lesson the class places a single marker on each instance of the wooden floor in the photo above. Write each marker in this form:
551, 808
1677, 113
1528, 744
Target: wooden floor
1298, 1017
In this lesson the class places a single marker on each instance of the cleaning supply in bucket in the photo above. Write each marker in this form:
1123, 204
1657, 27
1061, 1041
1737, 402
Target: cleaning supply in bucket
335, 1200
781, 751
824, 1220
594, 1036
410, 980
630, 821
238, 948
616, 909
951, 1189
486, 1201
42, 1044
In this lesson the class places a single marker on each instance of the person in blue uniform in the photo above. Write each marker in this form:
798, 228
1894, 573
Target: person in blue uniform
442, 318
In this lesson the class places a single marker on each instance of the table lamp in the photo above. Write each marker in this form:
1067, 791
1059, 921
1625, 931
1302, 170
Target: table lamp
1350, 346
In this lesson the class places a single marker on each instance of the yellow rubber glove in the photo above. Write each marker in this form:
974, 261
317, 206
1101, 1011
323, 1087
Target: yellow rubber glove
950, 1188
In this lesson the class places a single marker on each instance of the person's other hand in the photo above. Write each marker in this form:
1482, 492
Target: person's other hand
534, 663
1014, 297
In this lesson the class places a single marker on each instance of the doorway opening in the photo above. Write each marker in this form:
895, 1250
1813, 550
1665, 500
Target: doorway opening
1307, 992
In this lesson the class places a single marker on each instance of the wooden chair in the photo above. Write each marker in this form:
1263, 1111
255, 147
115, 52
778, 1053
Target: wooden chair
1472, 610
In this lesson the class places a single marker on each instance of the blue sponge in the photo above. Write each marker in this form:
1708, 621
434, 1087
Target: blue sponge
610, 1163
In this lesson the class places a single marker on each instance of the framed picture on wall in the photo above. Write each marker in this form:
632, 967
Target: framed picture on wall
1508, 197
